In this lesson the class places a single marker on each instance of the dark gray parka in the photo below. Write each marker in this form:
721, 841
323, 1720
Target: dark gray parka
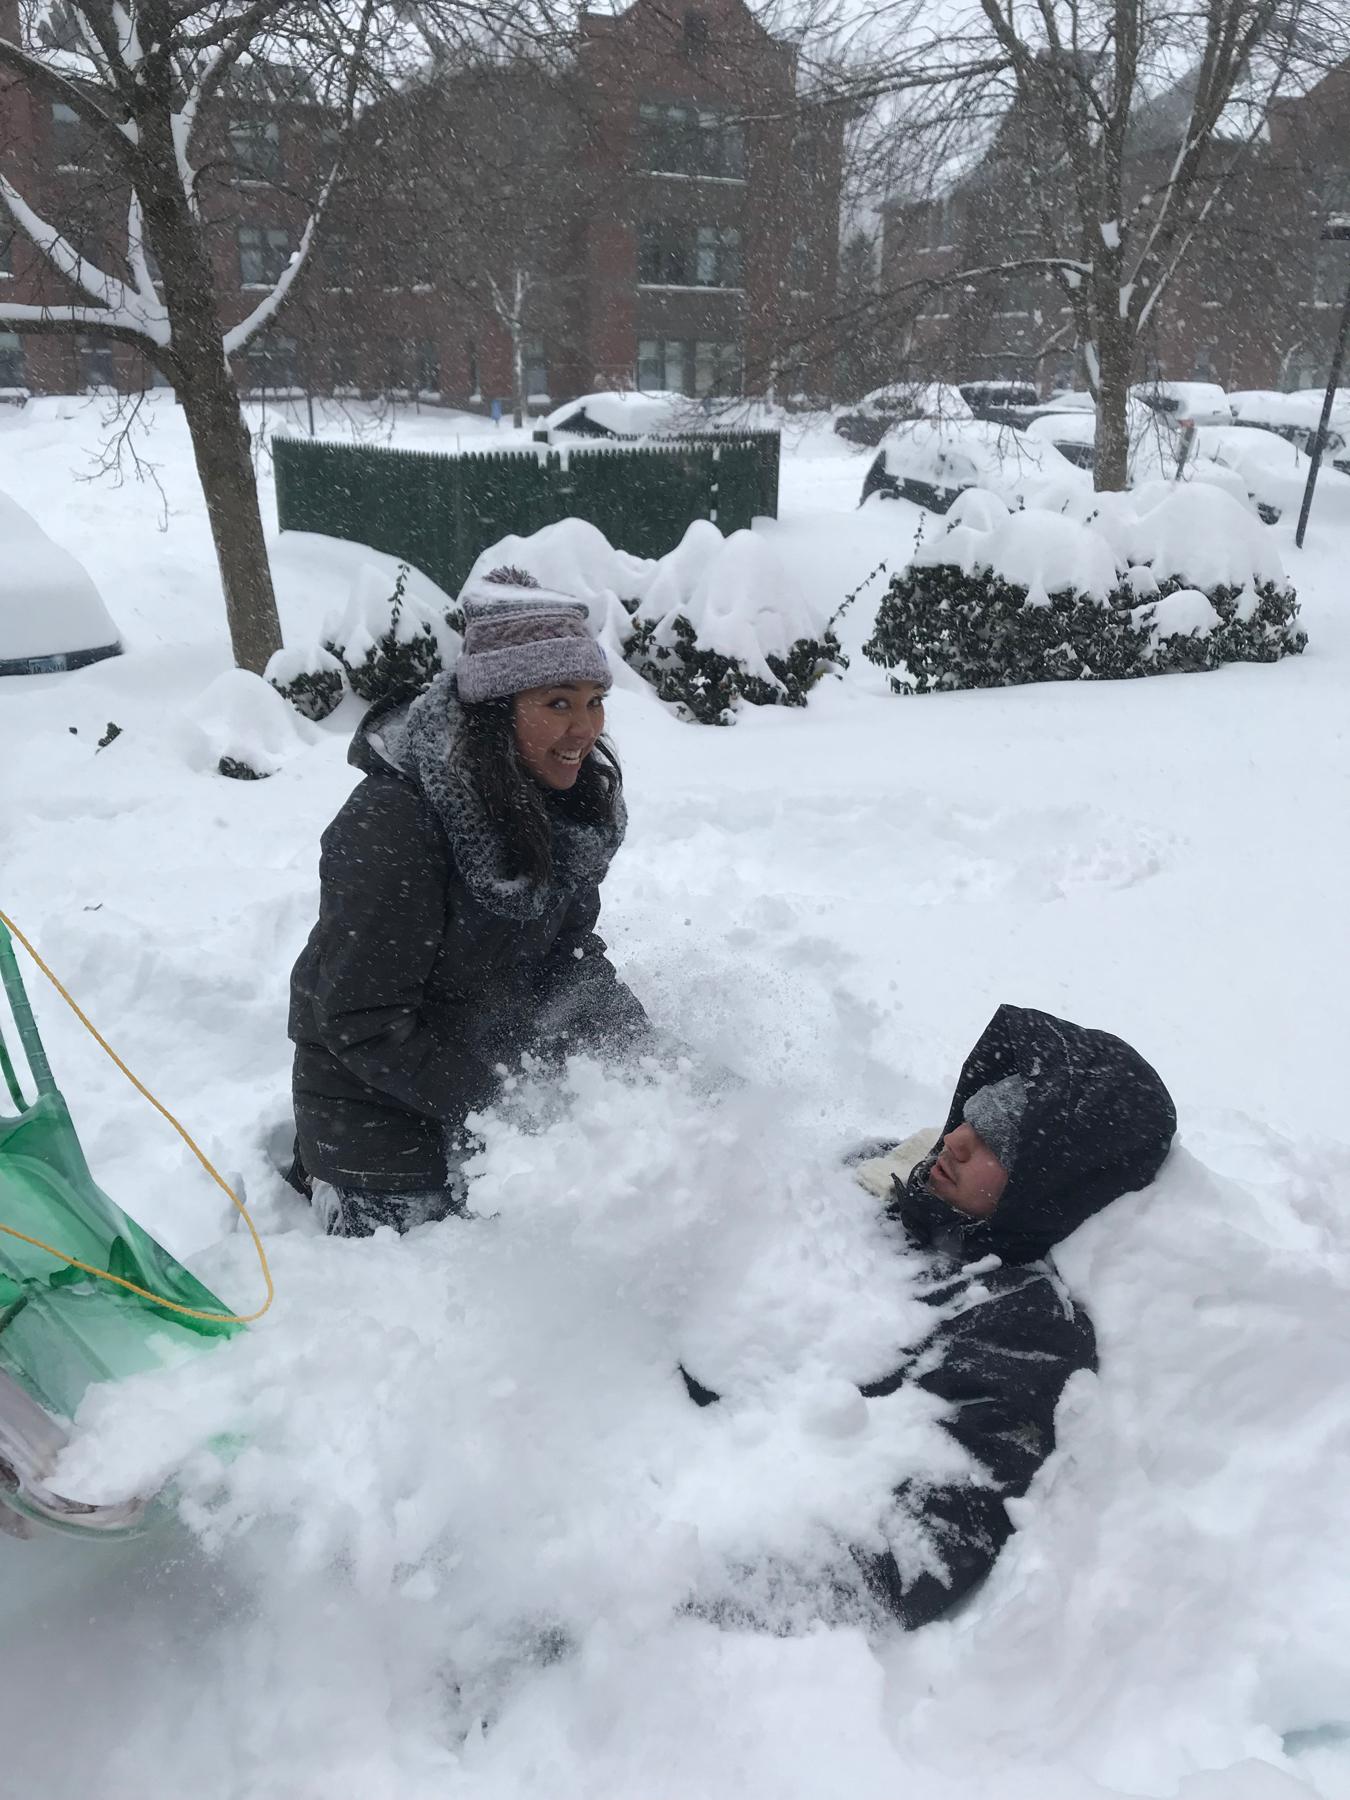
430, 970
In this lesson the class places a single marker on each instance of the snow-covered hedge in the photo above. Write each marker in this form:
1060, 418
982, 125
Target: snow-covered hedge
1168, 579
724, 620
391, 643
313, 680
715, 622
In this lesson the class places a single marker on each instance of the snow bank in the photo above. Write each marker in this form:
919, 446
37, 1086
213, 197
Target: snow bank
48, 604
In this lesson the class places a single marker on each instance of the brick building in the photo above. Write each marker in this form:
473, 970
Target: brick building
1254, 304
661, 212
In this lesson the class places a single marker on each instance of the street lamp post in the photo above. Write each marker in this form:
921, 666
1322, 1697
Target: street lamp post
1335, 231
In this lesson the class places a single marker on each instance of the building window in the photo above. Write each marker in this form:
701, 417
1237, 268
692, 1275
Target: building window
272, 364
428, 366
701, 366
68, 143
939, 226
471, 364
536, 369
95, 364
1331, 272
11, 360
697, 34
690, 140
1206, 365
337, 259
255, 149
799, 264
341, 369
717, 368
688, 256
7, 255
264, 252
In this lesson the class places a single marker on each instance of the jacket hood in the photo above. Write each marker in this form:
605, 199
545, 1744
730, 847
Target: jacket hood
1098, 1124
414, 739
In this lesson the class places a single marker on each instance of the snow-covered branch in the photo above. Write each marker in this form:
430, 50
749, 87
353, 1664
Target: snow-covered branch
130, 311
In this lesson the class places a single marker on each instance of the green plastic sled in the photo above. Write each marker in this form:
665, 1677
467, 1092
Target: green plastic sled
60, 1329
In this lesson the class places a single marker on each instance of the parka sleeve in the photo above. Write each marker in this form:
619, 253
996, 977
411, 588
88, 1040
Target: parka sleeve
383, 881
583, 1003
1002, 1366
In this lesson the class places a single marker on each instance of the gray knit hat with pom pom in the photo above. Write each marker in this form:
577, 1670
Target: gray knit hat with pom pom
520, 635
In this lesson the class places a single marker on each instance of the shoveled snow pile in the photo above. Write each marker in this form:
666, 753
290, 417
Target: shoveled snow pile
49, 606
1197, 533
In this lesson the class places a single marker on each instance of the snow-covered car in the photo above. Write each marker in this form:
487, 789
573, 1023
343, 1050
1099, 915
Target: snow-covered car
1005, 402
1203, 402
1156, 450
1273, 471
52, 617
886, 407
932, 461
625, 415
1295, 418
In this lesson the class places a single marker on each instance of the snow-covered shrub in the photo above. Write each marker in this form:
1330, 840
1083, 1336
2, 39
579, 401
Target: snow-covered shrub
313, 680
723, 621
1165, 581
391, 643
1196, 538
241, 727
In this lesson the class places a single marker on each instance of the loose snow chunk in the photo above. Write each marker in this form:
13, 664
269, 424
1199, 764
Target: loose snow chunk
1205, 536
289, 664
49, 607
1186, 613
1044, 553
242, 718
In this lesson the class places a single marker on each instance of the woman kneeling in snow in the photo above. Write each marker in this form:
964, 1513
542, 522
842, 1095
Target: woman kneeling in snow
1050, 1122
459, 893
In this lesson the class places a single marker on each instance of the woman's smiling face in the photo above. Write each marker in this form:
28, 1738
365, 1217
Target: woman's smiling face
556, 730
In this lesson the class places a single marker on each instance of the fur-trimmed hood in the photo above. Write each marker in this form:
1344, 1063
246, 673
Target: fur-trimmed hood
416, 740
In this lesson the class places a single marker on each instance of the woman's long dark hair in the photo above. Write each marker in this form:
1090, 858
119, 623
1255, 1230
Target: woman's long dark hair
518, 805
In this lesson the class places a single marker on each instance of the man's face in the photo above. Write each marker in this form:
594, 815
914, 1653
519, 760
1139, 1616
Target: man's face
967, 1174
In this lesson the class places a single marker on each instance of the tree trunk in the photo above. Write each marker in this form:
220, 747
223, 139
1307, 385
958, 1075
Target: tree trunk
220, 443
1111, 447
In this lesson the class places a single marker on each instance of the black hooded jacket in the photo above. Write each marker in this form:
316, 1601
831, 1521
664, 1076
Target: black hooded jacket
1098, 1123
429, 970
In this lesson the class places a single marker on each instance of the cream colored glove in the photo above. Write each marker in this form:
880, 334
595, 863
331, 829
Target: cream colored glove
879, 1172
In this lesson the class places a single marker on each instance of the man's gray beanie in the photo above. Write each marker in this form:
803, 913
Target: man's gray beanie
995, 1112
519, 635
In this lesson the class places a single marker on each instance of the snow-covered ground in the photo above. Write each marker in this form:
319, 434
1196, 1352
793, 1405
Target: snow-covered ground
449, 1552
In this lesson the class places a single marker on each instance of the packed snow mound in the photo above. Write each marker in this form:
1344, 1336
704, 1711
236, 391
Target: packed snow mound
742, 601
1185, 613
241, 719
49, 606
977, 509
1197, 533
1042, 552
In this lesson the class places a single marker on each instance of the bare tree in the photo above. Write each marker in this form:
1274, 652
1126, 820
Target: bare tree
146, 82
1124, 125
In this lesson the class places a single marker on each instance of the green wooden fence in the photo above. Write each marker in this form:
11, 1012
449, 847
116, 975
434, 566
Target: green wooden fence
441, 512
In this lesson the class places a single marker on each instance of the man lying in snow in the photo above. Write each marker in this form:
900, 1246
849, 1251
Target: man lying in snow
1050, 1122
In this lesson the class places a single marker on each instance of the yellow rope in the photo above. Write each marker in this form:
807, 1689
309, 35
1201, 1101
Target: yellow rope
189, 1312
